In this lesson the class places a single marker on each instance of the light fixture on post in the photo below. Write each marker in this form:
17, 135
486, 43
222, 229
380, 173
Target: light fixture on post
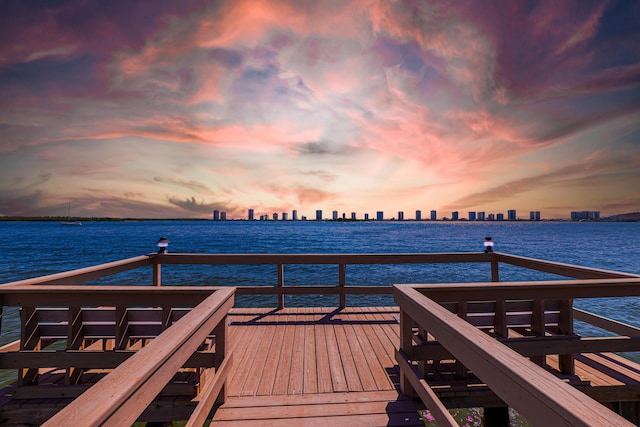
488, 244
163, 242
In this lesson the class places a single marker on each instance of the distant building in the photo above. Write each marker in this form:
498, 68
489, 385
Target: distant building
585, 215
481, 216
401, 216
223, 216
319, 215
500, 217
511, 214
534, 216
454, 216
216, 215
353, 216
472, 216
366, 217
335, 215
275, 216
434, 215
418, 215
491, 217
380, 215
294, 215
250, 215
285, 216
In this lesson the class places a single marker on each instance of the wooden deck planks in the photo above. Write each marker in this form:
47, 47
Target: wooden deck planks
354, 409
310, 350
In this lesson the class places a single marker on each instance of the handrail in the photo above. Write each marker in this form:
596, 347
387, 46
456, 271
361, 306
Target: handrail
561, 269
549, 289
82, 275
258, 259
121, 396
535, 393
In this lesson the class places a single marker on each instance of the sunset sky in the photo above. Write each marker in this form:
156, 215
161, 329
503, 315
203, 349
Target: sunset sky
176, 108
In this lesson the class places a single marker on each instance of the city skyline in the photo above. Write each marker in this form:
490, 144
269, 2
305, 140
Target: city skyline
175, 109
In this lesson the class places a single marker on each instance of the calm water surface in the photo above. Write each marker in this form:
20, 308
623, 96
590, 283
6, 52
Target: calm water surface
37, 248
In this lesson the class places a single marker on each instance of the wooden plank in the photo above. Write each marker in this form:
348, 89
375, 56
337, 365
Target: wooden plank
257, 364
360, 357
310, 370
338, 379
315, 399
240, 369
348, 362
410, 419
322, 360
376, 367
265, 387
296, 377
281, 381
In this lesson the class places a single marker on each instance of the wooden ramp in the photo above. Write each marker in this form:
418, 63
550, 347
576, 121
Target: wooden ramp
315, 366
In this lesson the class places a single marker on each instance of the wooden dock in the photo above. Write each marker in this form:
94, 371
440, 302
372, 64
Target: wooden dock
113, 355
315, 366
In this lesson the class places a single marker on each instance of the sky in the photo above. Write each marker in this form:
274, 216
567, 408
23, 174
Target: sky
170, 109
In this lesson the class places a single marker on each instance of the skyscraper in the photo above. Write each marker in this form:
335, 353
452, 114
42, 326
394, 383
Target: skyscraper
434, 215
401, 216
454, 215
250, 216
380, 215
223, 216
418, 215
294, 215
511, 214
353, 216
481, 216
216, 215
334, 215
319, 215
472, 216
284, 216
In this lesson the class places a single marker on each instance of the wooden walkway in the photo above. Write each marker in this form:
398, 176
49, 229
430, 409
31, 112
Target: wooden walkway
315, 366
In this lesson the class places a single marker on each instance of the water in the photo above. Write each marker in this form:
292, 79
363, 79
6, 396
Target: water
38, 248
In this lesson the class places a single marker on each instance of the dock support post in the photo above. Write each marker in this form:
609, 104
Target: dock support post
342, 281
280, 285
496, 416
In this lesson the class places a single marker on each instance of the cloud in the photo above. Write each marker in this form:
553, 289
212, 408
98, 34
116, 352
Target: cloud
191, 185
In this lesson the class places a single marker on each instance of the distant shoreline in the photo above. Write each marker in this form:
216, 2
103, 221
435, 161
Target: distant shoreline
614, 218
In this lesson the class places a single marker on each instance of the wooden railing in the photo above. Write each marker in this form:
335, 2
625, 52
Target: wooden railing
147, 334
491, 329
102, 332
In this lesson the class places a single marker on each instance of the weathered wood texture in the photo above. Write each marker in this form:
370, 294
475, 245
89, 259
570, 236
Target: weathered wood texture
312, 350
530, 389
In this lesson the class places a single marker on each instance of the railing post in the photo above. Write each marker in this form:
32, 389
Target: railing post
221, 332
281, 285
566, 362
157, 274
29, 340
406, 345
342, 282
495, 276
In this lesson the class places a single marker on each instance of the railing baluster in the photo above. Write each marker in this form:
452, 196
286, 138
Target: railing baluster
280, 285
342, 282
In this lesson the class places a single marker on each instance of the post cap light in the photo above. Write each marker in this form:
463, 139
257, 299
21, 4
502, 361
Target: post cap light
163, 242
488, 244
